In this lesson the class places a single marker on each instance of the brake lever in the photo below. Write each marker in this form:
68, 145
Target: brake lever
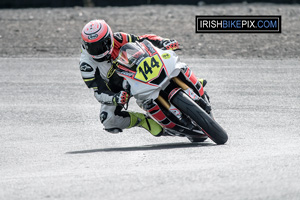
125, 106
164, 48
177, 49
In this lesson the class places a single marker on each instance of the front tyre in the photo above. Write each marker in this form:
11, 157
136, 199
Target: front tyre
213, 130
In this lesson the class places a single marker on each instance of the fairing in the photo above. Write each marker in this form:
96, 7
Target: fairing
131, 57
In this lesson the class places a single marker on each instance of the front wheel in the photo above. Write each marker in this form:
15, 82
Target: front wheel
209, 126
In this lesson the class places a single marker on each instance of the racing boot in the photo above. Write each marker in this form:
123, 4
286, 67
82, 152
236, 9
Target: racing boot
140, 120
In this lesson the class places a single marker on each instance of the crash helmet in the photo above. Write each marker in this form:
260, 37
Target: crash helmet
97, 39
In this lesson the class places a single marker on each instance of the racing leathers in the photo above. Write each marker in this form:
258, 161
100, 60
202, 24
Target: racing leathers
100, 75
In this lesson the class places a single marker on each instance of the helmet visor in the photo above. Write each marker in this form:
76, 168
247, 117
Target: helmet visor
100, 47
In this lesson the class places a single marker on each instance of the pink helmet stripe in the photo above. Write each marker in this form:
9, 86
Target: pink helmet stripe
94, 31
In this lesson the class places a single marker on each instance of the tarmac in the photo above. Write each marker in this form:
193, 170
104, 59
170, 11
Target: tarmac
53, 145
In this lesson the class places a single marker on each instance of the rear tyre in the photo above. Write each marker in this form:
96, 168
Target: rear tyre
213, 130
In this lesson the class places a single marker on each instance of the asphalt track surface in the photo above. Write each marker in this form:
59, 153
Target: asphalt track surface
54, 147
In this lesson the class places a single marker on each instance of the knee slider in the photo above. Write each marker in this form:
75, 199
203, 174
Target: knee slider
103, 116
108, 122
113, 130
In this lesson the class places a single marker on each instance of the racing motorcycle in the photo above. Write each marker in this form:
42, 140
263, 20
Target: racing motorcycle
168, 91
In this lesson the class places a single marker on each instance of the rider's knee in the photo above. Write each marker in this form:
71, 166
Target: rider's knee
109, 123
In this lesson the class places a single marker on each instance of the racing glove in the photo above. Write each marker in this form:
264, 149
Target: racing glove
170, 44
120, 98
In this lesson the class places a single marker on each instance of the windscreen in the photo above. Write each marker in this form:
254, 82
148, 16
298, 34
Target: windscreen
131, 54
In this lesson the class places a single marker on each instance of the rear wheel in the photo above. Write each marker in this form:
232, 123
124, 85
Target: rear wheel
213, 130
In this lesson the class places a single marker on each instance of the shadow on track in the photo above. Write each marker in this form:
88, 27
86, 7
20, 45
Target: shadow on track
145, 147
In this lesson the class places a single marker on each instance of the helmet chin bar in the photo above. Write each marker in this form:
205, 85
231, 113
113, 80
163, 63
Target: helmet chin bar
104, 58
107, 56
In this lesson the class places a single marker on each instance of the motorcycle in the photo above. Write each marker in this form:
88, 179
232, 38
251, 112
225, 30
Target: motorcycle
168, 91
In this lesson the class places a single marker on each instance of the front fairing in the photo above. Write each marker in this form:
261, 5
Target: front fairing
144, 86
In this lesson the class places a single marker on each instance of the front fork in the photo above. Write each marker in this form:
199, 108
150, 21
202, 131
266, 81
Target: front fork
204, 103
155, 111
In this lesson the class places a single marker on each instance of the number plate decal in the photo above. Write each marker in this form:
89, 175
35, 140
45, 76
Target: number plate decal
149, 68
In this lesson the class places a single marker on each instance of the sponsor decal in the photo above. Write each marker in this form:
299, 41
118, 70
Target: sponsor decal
139, 60
118, 37
238, 24
103, 116
166, 56
149, 68
150, 48
94, 28
92, 36
84, 67
130, 74
191, 94
173, 92
176, 112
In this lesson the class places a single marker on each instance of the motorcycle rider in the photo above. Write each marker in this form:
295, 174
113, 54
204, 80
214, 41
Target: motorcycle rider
100, 46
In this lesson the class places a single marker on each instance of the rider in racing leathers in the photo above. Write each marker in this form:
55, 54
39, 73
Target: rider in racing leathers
99, 48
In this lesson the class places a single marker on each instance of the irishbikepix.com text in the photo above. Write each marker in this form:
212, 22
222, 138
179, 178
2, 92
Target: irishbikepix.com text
238, 24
